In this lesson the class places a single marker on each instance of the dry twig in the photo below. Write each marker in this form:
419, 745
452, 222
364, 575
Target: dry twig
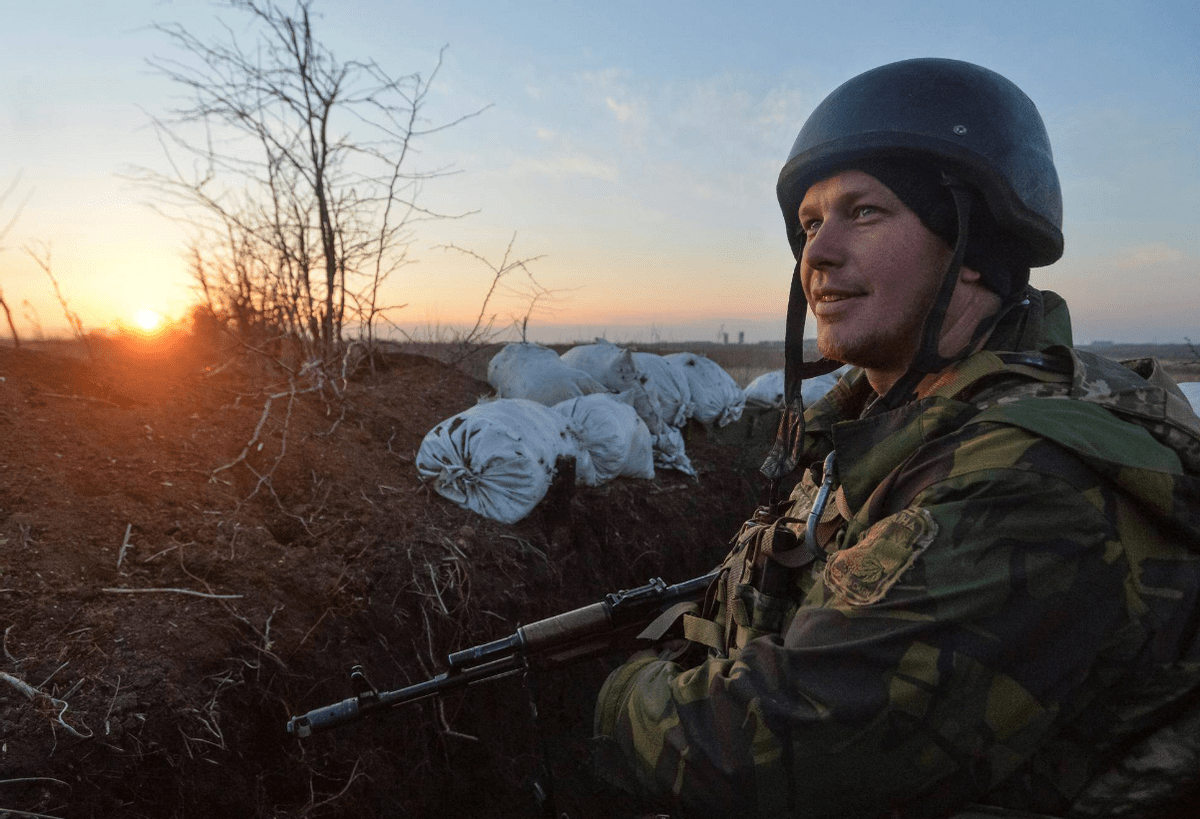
15, 812
314, 804
192, 592
124, 545
32, 694
93, 399
7, 654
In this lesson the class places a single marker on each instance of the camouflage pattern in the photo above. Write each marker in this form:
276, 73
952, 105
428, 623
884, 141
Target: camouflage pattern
1004, 604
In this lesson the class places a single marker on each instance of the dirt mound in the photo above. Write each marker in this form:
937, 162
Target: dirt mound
187, 559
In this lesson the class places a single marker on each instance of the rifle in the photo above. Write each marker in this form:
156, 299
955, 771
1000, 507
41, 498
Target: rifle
619, 621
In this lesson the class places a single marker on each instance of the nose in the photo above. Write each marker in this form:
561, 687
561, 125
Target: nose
823, 249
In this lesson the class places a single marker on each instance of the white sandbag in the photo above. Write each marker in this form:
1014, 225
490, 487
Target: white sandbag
814, 389
609, 364
766, 391
1191, 389
670, 385
497, 458
716, 397
615, 368
536, 373
669, 452
613, 436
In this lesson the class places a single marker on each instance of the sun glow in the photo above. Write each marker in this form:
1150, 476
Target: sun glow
148, 320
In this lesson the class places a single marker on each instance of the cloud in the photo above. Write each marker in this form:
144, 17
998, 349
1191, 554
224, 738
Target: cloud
559, 158
699, 151
624, 113
567, 165
607, 78
785, 108
625, 105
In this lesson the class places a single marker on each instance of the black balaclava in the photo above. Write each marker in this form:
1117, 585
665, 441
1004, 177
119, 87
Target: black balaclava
990, 251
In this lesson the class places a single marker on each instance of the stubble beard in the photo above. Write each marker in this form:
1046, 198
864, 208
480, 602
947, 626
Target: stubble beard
879, 348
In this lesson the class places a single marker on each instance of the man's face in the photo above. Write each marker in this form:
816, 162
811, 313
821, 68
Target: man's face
870, 270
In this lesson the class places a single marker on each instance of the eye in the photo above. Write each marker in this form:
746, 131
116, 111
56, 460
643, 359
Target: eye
862, 211
810, 227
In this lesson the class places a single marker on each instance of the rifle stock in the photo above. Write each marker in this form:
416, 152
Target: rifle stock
615, 623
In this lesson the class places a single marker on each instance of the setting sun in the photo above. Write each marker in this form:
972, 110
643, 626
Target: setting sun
147, 319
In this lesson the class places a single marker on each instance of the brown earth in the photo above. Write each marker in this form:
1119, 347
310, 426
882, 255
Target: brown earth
181, 571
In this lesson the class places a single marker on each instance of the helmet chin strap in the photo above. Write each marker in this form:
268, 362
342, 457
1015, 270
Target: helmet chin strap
928, 358
785, 452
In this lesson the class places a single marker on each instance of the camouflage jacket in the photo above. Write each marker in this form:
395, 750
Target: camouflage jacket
1000, 599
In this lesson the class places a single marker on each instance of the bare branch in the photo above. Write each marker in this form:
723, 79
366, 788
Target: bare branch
484, 332
41, 256
12, 187
4, 232
294, 168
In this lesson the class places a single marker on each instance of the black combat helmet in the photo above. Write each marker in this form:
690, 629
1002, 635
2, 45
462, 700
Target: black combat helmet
986, 141
968, 121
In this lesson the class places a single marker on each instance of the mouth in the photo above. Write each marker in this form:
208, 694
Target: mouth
831, 304
832, 296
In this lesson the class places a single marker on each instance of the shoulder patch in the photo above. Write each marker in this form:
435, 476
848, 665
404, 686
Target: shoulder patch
864, 573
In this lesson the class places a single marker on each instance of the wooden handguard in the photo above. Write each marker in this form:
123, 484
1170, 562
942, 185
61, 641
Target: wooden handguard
565, 628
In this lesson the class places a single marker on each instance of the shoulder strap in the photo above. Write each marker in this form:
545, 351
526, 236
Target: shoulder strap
1140, 391
1036, 368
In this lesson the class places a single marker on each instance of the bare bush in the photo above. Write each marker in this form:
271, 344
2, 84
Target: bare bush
41, 256
4, 232
510, 277
299, 188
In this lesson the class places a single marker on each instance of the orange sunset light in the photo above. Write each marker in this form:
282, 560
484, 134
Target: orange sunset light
148, 320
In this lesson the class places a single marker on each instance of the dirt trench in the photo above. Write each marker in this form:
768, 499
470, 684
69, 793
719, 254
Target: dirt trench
183, 568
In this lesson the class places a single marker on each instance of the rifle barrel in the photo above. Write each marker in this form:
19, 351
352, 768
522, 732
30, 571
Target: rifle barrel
554, 641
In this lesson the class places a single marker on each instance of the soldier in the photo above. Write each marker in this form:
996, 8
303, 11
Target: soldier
983, 587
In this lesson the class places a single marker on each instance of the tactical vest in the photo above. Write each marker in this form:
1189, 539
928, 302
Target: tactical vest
780, 553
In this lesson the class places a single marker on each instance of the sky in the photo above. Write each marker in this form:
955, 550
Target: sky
628, 150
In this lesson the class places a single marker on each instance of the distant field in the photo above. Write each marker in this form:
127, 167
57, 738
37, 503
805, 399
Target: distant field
744, 362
